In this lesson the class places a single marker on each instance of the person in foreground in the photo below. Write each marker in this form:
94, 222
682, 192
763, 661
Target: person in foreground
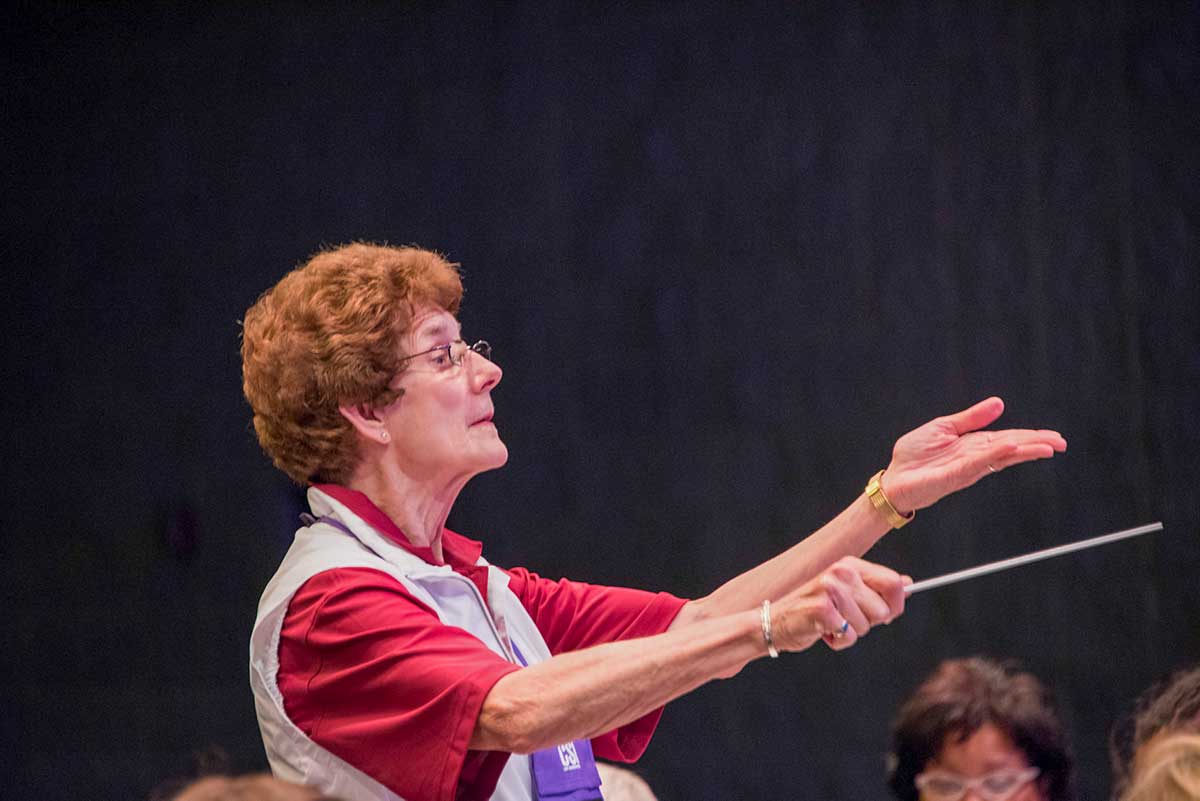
1169, 770
979, 729
390, 660
622, 784
1156, 749
253, 787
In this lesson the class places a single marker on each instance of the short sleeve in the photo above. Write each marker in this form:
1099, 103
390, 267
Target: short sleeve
372, 675
573, 615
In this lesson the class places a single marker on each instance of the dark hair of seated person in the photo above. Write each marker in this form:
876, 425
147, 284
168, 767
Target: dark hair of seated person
251, 787
963, 695
210, 780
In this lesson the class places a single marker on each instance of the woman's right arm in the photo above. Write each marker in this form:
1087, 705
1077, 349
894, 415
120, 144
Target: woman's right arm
945, 455
585, 693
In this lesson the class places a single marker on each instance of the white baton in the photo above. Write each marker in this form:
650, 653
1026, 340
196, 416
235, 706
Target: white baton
1024, 559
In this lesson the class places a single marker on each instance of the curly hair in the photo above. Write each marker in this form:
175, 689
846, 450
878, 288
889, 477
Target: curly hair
1171, 705
326, 335
958, 699
1168, 770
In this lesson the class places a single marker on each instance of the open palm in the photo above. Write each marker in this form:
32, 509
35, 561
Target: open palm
950, 453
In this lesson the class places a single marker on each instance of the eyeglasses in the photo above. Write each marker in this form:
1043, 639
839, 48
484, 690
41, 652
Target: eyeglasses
999, 785
443, 357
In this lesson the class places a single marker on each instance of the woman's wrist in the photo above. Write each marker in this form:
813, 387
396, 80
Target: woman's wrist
739, 640
882, 500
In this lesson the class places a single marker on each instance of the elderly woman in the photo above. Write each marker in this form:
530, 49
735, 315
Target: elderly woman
390, 660
982, 730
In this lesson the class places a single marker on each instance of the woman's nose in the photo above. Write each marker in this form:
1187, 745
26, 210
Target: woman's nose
485, 373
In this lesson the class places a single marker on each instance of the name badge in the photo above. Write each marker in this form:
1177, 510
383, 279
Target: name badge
565, 772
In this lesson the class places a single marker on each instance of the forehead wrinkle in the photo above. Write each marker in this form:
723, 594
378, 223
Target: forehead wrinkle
436, 327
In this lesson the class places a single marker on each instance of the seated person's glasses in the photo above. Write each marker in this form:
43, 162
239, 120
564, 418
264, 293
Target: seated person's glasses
443, 357
999, 785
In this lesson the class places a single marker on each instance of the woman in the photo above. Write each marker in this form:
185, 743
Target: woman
622, 784
1168, 709
976, 726
1168, 769
254, 787
390, 660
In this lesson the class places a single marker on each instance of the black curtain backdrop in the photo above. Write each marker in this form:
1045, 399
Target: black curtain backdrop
726, 255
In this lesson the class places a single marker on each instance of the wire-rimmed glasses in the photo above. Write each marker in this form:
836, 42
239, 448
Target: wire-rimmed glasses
452, 354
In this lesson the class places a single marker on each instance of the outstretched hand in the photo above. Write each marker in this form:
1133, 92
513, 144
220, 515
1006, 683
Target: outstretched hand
951, 453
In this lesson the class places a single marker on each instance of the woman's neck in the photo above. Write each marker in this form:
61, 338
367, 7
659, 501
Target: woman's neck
418, 508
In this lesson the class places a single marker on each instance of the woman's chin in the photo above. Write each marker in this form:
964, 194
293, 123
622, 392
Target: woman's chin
496, 456
483, 451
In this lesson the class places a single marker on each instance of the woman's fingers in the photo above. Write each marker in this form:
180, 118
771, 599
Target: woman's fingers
843, 603
998, 445
857, 580
840, 641
1008, 448
1025, 436
808, 615
834, 627
848, 600
888, 586
976, 417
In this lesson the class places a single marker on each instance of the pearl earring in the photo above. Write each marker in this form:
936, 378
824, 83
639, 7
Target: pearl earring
384, 436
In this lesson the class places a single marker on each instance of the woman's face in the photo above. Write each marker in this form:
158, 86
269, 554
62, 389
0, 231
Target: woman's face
987, 751
441, 427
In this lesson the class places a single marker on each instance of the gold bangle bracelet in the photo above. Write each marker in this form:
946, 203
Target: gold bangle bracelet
874, 490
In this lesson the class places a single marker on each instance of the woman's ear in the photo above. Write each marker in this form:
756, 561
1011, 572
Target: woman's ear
365, 420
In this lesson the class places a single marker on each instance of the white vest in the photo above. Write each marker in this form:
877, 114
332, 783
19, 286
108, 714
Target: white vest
455, 598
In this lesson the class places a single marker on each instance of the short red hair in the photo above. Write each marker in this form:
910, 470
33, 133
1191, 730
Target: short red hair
328, 334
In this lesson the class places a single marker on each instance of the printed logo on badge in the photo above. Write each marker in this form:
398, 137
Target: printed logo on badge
568, 756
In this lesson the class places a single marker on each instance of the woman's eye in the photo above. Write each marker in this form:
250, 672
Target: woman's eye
999, 782
439, 358
943, 787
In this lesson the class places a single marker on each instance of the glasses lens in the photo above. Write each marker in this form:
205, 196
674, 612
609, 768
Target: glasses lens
1003, 784
940, 787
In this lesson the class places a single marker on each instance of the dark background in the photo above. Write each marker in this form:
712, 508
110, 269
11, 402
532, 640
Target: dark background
726, 255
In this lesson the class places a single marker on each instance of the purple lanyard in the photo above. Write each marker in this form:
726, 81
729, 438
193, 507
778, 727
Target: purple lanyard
565, 772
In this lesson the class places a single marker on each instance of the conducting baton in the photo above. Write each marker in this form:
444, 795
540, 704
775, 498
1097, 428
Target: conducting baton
1024, 559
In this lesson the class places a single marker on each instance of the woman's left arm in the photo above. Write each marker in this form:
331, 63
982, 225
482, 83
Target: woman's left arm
943, 456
